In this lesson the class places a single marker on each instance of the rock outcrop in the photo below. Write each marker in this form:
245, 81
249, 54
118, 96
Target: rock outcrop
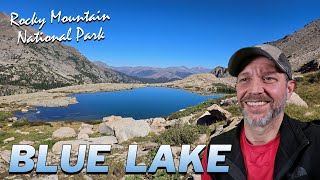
313, 65
297, 100
220, 72
213, 114
127, 128
64, 132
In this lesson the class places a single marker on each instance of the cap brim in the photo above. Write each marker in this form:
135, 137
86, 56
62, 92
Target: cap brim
243, 57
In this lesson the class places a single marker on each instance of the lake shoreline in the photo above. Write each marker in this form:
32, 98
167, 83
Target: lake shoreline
202, 84
138, 103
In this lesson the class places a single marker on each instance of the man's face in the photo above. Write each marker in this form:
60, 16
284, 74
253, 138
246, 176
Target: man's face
262, 91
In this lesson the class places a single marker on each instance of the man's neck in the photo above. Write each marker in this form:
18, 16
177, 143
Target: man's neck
263, 135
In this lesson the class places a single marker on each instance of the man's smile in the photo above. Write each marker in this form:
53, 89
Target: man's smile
259, 103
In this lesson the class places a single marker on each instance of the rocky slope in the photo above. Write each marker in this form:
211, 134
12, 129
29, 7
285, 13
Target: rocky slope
30, 67
302, 46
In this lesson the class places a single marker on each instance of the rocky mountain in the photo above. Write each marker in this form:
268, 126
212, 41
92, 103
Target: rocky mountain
156, 74
302, 47
31, 67
220, 72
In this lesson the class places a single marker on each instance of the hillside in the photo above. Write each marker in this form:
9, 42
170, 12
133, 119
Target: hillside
302, 46
31, 67
205, 83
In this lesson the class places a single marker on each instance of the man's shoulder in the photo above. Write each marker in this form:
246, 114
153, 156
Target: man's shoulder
310, 129
225, 138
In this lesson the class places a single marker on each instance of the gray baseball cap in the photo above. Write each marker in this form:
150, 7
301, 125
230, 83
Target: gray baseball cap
243, 56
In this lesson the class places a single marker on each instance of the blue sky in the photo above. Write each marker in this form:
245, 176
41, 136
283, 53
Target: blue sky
165, 33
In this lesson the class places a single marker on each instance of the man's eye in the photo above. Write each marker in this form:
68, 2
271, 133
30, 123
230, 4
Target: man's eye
268, 78
243, 79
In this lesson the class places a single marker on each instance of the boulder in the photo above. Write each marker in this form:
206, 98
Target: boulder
104, 129
157, 124
127, 128
83, 136
5, 155
218, 112
86, 130
8, 140
12, 119
20, 132
296, 100
84, 125
26, 142
127, 131
24, 110
213, 114
229, 101
64, 132
111, 118
158, 121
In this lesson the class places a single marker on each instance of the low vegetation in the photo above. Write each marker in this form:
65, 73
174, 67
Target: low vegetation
193, 109
308, 90
222, 88
181, 134
5, 115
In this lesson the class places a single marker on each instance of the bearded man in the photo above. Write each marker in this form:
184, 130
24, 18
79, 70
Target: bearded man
267, 144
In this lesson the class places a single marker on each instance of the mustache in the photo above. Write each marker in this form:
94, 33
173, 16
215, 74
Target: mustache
251, 97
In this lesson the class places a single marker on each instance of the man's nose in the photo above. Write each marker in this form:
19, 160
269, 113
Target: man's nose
256, 86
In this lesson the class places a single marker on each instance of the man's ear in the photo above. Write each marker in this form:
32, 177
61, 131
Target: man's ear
290, 88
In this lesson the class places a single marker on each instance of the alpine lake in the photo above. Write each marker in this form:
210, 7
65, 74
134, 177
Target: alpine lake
140, 103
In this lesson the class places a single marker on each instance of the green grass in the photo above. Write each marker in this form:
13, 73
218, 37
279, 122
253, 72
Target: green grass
234, 110
303, 113
308, 89
194, 109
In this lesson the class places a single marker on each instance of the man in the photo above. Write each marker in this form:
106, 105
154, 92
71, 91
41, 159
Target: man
267, 144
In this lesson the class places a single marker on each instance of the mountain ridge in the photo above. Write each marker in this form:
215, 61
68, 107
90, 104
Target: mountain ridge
149, 73
26, 68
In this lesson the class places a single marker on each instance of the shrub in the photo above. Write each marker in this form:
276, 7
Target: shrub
5, 115
93, 122
234, 110
181, 134
49, 142
26, 122
21, 122
222, 88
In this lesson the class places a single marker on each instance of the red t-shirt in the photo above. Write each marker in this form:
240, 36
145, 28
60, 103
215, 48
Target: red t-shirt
259, 159
204, 162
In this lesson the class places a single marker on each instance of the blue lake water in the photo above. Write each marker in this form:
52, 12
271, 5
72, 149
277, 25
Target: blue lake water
141, 103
